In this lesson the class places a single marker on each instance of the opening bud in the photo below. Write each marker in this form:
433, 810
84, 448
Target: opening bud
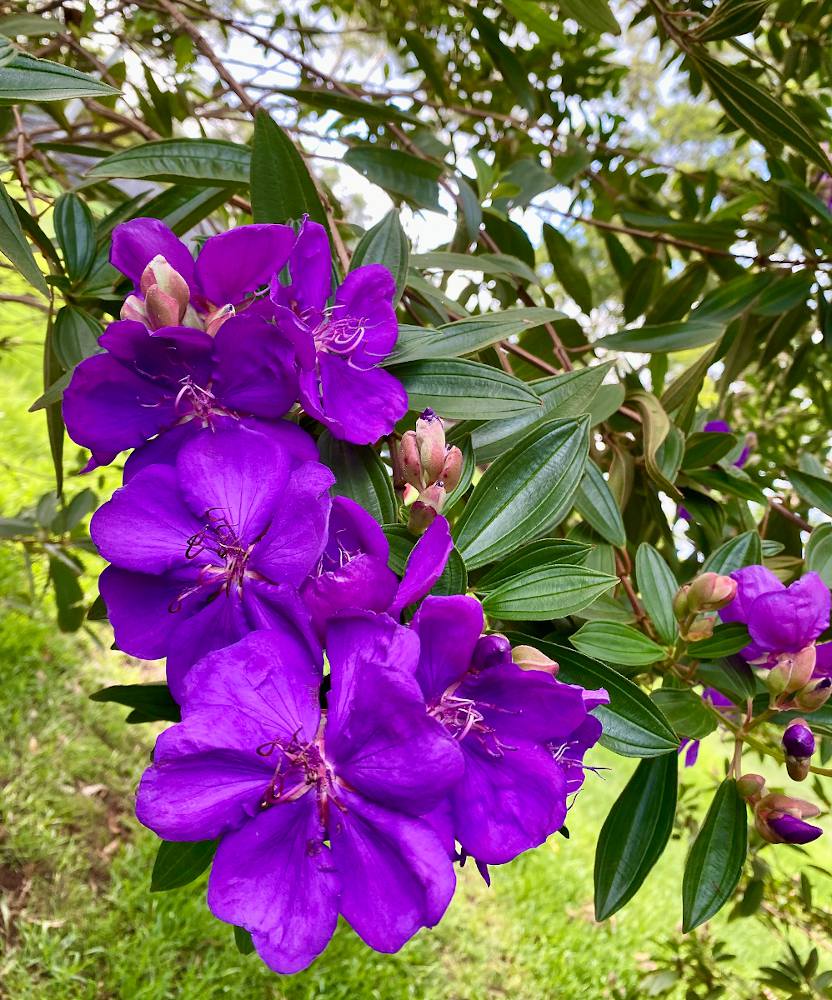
529, 658
217, 318
710, 592
421, 517
791, 672
701, 629
430, 438
169, 290
411, 465
780, 819
814, 696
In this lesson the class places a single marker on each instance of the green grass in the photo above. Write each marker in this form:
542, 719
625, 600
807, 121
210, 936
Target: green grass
76, 917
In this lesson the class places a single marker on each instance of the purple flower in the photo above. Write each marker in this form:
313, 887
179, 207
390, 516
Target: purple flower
340, 347
798, 739
318, 813
147, 382
793, 830
211, 548
230, 267
721, 427
781, 819
780, 619
510, 724
353, 570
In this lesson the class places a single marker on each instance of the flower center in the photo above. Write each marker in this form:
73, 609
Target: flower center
219, 536
339, 336
194, 401
462, 717
337, 554
300, 767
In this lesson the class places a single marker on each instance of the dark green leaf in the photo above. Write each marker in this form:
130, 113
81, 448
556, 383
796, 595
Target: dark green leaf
665, 337
813, 489
728, 638
686, 712
242, 941
76, 335
655, 428
361, 475
593, 14
819, 553
76, 234
399, 173
153, 702
28, 25
706, 448
511, 69
525, 492
574, 281
731, 18
385, 244
546, 552
731, 677
69, 596
615, 643
635, 834
179, 863
658, 587
207, 160
743, 550
324, 99
281, 186
13, 243
544, 594
596, 505
25, 78
716, 859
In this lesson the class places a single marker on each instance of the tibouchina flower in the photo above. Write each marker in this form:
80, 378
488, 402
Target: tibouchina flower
318, 813
341, 346
513, 727
353, 570
781, 819
211, 548
170, 288
148, 382
780, 619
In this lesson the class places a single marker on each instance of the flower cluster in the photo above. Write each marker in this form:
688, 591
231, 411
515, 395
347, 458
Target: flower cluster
344, 761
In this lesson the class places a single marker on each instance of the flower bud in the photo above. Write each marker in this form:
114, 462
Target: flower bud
710, 592
430, 436
134, 309
701, 629
791, 672
217, 318
409, 459
451, 469
421, 517
750, 786
780, 820
798, 739
162, 309
529, 658
490, 651
166, 293
680, 603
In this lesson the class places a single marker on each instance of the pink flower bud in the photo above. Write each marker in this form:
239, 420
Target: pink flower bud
421, 517
750, 786
133, 309
529, 658
161, 308
699, 630
780, 820
409, 459
410, 495
452, 469
710, 592
814, 696
430, 437
161, 275
217, 318
791, 672
680, 603
434, 496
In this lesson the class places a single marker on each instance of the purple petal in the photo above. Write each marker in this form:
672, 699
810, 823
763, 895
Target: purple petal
137, 242
793, 830
297, 534
237, 477
570, 755
448, 629
379, 736
310, 269
363, 583
170, 355
788, 620
233, 264
395, 873
145, 527
278, 607
717, 427
823, 663
254, 368
752, 581
691, 751
425, 565
356, 406
505, 805
276, 878
367, 294
351, 530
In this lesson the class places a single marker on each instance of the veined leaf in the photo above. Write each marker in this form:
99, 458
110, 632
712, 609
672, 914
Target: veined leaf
658, 587
728, 638
546, 552
178, 863
813, 489
323, 99
593, 14
13, 243
655, 428
574, 281
548, 593
360, 475
706, 448
743, 550
399, 173
25, 78
499, 264
665, 337
617, 644
281, 186
685, 711
819, 553
76, 234
76, 335
385, 244
208, 160
596, 505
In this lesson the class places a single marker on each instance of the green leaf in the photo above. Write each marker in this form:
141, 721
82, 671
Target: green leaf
28, 25
75, 230
323, 99
655, 428
53, 394
360, 475
467, 336
596, 505
633, 725
665, 337
180, 863
511, 69
242, 941
574, 281
728, 638
548, 593
706, 448
545, 553
69, 596
593, 14
568, 395
38, 80
730, 19
814, 490
497, 264
730, 480
207, 160
281, 186
76, 335
14, 245
819, 553
150, 702
617, 644
686, 712
385, 244
641, 286
635, 834
743, 550
400, 174
465, 390
731, 676
525, 492
732, 298
757, 112
533, 16
678, 295
658, 587
717, 857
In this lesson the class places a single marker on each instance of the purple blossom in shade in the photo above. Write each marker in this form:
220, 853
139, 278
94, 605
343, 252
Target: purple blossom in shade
780, 619
317, 813
176, 377
211, 548
229, 268
507, 722
690, 747
340, 346
353, 570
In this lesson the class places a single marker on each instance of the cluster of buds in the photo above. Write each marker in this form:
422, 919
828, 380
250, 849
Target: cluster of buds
779, 819
792, 685
166, 301
707, 592
798, 745
430, 469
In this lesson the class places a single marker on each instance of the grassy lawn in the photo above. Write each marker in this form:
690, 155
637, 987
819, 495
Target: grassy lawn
76, 917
